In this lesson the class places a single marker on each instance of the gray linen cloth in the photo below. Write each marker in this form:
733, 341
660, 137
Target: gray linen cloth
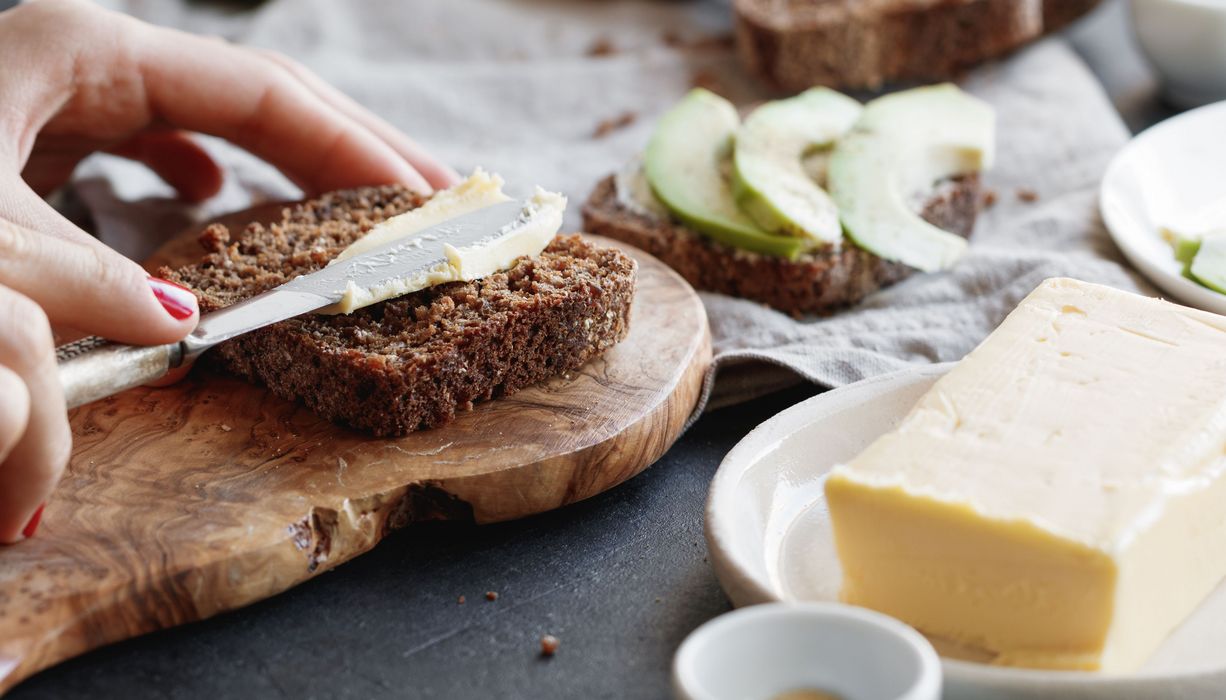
521, 88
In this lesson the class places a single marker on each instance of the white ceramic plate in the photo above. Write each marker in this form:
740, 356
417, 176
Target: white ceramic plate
769, 535
1163, 176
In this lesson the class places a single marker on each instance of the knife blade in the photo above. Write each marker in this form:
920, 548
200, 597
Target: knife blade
94, 368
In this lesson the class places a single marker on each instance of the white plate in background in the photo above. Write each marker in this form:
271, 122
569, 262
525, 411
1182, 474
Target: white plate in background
769, 536
1164, 176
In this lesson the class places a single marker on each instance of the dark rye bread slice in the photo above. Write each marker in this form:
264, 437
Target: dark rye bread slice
411, 362
819, 282
795, 44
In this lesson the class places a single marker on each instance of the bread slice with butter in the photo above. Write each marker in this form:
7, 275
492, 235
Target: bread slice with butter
412, 361
1058, 499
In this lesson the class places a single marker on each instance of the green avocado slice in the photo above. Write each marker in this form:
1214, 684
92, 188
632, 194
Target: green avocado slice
1186, 249
1208, 266
902, 146
684, 166
769, 181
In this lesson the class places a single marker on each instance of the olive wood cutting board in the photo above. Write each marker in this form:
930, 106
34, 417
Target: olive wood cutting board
183, 502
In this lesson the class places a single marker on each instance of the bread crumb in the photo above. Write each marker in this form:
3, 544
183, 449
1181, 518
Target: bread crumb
1027, 195
608, 126
491, 596
603, 46
226, 428
989, 199
460, 600
549, 645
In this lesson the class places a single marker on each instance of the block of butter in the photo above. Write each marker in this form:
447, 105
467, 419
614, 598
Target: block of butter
1057, 499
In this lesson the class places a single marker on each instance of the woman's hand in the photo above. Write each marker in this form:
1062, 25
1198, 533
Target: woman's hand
78, 79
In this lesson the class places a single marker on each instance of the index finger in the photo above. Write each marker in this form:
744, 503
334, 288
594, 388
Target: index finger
209, 86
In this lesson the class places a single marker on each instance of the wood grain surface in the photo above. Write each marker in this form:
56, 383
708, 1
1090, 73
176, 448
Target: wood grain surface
183, 502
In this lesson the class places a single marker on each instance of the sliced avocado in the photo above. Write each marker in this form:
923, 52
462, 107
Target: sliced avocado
684, 166
900, 148
1209, 264
1185, 248
770, 182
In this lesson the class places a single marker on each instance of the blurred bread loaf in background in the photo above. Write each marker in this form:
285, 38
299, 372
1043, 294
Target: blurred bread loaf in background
796, 44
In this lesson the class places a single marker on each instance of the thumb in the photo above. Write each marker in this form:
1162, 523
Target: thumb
85, 285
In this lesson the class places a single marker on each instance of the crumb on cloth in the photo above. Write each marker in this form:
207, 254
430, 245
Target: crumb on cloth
602, 46
608, 126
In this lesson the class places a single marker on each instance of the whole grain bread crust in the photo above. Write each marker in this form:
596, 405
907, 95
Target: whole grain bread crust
411, 362
795, 44
820, 282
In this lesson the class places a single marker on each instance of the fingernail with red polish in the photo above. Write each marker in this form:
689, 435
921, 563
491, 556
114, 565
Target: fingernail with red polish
178, 301
34, 520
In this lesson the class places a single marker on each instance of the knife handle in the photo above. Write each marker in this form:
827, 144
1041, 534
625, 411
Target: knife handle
94, 368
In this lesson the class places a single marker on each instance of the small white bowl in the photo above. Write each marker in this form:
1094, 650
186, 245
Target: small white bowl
763, 651
1185, 41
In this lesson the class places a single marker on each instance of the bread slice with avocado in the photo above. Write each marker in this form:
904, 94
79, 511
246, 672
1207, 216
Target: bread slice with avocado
743, 210
818, 282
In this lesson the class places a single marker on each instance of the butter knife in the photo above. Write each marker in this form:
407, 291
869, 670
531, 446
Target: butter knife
93, 368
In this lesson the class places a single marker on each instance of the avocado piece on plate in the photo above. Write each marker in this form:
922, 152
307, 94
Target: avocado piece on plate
1208, 267
1186, 249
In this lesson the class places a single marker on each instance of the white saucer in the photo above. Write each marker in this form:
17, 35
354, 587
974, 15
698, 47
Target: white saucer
1160, 178
768, 531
